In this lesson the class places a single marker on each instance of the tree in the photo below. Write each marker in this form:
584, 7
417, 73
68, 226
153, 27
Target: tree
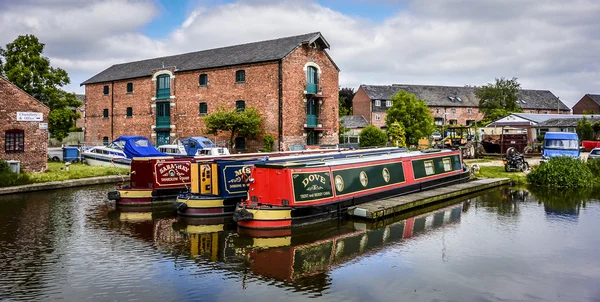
584, 129
345, 101
503, 95
24, 66
342, 131
268, 141
596, 128
396, 134
412, 114
245, 123
372, 136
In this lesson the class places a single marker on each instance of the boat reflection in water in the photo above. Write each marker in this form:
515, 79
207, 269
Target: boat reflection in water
294, 254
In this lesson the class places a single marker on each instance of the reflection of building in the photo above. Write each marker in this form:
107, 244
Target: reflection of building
23, 128
292, 81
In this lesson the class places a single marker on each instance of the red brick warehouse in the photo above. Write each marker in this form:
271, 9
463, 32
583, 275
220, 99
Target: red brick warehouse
292, 81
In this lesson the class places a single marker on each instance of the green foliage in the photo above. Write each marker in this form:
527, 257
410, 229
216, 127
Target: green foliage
396, 134
540, 138
594, 166
60, 122
372, 136
345, 101
343, 130
596, 128
561, 172
25, 66
413, 114
4, 167
502, 95
245, 123
584, 129
268, 141
75, 129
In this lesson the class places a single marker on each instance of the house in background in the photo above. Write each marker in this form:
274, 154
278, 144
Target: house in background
23, 128
80, 123
353, 125
449, 105
589, 103
292, 81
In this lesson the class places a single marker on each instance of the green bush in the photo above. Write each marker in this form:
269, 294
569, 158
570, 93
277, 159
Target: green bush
268, 141
372, 136
4, 168
562, 172
594, 166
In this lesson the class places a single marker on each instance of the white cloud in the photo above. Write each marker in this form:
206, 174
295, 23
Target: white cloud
456, 42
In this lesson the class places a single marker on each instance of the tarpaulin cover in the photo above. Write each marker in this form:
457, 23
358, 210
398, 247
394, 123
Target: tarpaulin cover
137, 146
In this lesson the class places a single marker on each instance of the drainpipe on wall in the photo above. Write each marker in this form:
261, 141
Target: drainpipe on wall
112, 109
280, 113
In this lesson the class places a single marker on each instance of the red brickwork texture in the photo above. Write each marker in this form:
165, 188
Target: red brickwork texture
586, 104
13, 100
260, 90
361, 105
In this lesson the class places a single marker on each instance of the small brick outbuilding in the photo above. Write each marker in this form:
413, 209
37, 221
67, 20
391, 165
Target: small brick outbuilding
23, 128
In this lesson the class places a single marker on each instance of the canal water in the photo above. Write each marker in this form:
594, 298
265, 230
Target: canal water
502, 245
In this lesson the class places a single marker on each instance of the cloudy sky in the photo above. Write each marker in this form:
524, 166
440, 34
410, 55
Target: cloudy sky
552, 44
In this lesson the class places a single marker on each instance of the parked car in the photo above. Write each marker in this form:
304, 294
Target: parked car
436, 136
560, 144
594, 154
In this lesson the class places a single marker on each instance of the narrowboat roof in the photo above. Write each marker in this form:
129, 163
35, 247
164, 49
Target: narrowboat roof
352, 160
560, 135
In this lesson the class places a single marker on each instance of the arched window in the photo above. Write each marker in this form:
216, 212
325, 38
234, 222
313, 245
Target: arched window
312, 79
240, 76
163, 86
203, 81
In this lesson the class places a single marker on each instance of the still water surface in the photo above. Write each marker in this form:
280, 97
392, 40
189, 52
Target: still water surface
504, 245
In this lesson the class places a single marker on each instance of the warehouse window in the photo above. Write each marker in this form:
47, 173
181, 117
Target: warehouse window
14, 141
240, 76
105, 113
105, 140
105, 89
203, 81
129, 87
240, 143
129, 111
240, 105
203, 108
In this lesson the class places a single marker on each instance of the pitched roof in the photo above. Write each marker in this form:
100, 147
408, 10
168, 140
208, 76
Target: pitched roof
454, 96
539, 118
561, 122
595, 98
255, 52
25, 92
354, 121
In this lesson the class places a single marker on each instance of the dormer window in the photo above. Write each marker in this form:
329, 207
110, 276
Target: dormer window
377, 103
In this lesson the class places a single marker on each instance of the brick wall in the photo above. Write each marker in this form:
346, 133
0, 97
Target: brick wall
459, 114
586, 104
13, 100
260, 90
361, 104
294, 104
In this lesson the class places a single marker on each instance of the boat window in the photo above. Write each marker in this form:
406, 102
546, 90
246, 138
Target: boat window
570, 144
141, 143
595, 152
429, 167
447, 164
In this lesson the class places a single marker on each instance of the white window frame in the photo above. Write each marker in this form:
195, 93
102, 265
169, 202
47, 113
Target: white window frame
447, 164
470, 111
377, 117
377, 103
453, 110
388, 103
429, 168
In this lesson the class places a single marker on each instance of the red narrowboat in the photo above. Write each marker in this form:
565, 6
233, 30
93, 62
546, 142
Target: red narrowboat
286, 194
158, 180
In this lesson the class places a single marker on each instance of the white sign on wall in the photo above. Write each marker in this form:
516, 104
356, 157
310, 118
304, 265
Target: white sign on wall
30, 116
43, 125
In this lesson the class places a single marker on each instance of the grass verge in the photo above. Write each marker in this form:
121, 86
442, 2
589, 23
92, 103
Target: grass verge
519, 178
57, 172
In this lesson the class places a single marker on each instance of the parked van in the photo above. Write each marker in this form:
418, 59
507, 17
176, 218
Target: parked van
560, 144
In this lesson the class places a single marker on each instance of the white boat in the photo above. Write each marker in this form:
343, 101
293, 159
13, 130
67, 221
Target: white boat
193, 146
120, 152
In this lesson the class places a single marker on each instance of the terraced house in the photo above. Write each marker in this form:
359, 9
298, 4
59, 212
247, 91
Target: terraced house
449, 105
292, 81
